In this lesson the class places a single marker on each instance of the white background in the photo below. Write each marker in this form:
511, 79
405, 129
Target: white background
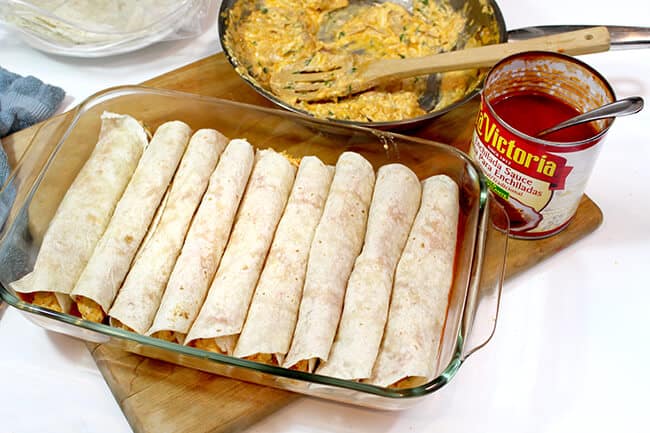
570, 353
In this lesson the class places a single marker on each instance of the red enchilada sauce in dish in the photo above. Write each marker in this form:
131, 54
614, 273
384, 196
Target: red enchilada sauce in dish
532, 113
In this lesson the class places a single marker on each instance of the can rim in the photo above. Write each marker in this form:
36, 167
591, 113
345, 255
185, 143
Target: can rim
550, 145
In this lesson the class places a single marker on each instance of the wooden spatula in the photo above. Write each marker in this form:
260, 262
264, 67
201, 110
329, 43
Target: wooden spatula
342, 77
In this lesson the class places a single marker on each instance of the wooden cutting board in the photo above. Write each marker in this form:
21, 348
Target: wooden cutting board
158, 397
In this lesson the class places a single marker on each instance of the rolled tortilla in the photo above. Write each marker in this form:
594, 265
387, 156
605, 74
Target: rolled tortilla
410, 349
84, 213
204, 245
155, 222
395, 201
273, 312
337, 243
111, 259
138, 300
222, 316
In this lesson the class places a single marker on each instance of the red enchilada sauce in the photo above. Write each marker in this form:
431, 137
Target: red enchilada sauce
532, 113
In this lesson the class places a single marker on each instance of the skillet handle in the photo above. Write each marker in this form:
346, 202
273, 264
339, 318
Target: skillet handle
621, 37
484, 295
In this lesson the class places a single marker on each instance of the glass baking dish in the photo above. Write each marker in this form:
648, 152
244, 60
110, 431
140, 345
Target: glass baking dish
61, 146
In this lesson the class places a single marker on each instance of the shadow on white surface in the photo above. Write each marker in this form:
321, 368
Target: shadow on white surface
340, 418
71, 349
79, 398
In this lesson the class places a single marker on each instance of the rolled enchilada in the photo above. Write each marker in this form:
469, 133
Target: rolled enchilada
410, 348
337, 242
205, 243
273, 312
395, 201
84, 213
100, 280
222, 315
139, 298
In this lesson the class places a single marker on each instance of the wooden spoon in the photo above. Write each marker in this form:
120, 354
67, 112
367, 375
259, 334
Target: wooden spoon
342, 77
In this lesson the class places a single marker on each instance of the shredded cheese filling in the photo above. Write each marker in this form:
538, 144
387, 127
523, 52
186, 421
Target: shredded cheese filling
277, 34
47, 300
90, 310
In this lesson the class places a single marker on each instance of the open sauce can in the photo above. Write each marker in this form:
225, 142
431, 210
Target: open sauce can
540, 181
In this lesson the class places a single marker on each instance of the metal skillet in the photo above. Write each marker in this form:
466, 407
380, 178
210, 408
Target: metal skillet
484, 24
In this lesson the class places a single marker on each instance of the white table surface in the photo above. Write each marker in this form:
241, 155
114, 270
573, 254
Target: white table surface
571, 350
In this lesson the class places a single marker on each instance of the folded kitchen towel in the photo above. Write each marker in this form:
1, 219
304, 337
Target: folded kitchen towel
6, 197
24, 101
14, 252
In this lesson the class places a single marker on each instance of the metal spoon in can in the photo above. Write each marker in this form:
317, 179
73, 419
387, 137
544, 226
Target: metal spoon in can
622, 107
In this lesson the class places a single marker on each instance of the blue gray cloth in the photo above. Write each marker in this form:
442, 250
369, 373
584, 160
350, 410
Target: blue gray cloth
9, 194
24, 101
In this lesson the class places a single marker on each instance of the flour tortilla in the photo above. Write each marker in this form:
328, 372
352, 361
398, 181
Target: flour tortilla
222, 316
337, 243
205, 243
85, 212
100, 280
410, 349
108, 20
138, 300
273, 312
395, 202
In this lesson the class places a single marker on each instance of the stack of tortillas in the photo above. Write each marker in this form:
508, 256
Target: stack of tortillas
205, 241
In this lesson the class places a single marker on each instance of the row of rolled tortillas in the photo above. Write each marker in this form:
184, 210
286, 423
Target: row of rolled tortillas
203, 241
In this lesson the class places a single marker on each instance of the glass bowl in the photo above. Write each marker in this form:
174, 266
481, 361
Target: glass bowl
74, 28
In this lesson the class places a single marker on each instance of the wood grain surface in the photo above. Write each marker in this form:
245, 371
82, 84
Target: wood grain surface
158, 397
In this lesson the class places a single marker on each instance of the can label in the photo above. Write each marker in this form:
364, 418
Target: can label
540, 186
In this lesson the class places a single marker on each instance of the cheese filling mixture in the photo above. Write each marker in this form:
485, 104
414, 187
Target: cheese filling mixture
277, 34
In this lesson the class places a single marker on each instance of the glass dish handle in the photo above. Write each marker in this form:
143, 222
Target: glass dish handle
482, 305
